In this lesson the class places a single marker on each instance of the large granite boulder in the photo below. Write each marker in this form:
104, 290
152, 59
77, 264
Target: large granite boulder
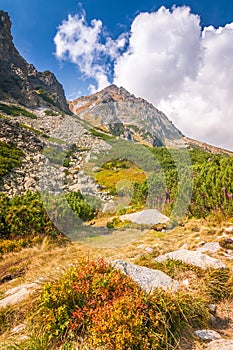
148, 217
148, 279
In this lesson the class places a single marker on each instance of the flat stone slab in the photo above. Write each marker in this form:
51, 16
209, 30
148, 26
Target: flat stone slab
146, 217
211, 247
17, 294
194, 258
229, 229
220, 345
148, 279
18, 328
207, 334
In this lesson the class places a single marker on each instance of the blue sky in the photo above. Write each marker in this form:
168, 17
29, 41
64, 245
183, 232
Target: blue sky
124, 31
35, 24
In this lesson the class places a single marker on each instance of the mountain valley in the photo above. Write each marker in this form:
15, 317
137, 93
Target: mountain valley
76, 271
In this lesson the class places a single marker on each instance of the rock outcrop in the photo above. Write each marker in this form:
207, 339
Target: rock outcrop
117, 111
19, 81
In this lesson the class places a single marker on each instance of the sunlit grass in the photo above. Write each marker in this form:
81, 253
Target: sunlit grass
110, 176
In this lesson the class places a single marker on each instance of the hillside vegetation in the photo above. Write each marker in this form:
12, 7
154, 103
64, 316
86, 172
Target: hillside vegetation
73, 274
88, 303
10, 157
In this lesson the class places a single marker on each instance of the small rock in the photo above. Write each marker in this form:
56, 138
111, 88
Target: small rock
227, 243
207, 334
229, 229
212, 308
184, 246
149, 250
74, 188
213, 320
17, 294
212, 247
109, 208
28, 183
220, 345
228, 256
24, 337
141, 246
193, 258
18, 328
185, 282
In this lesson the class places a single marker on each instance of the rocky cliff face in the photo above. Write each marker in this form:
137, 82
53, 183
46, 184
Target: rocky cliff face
19, 81
117, 111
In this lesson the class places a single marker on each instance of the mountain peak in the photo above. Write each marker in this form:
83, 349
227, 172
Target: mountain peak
20, 82
116, 110
5, 24
114, 90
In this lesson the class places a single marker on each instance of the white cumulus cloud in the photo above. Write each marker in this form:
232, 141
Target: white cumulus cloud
82, 44
184, 70
164, 48
167, 58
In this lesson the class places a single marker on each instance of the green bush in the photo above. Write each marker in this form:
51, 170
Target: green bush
26, 215
117, 223
168, 174
10, 157
50, 112
100, 134
80, 207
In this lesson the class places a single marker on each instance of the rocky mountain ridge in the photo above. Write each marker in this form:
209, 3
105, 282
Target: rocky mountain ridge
20, 81
115, 110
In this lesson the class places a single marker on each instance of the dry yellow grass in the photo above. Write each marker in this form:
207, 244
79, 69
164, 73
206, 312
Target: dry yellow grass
48, 260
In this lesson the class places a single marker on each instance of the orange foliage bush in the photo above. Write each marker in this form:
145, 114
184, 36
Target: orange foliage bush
96, 302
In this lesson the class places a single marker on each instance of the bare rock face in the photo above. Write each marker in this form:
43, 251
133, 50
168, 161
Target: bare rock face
19, 81
116, 110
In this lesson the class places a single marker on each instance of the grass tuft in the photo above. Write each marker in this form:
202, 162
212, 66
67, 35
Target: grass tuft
16, 111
